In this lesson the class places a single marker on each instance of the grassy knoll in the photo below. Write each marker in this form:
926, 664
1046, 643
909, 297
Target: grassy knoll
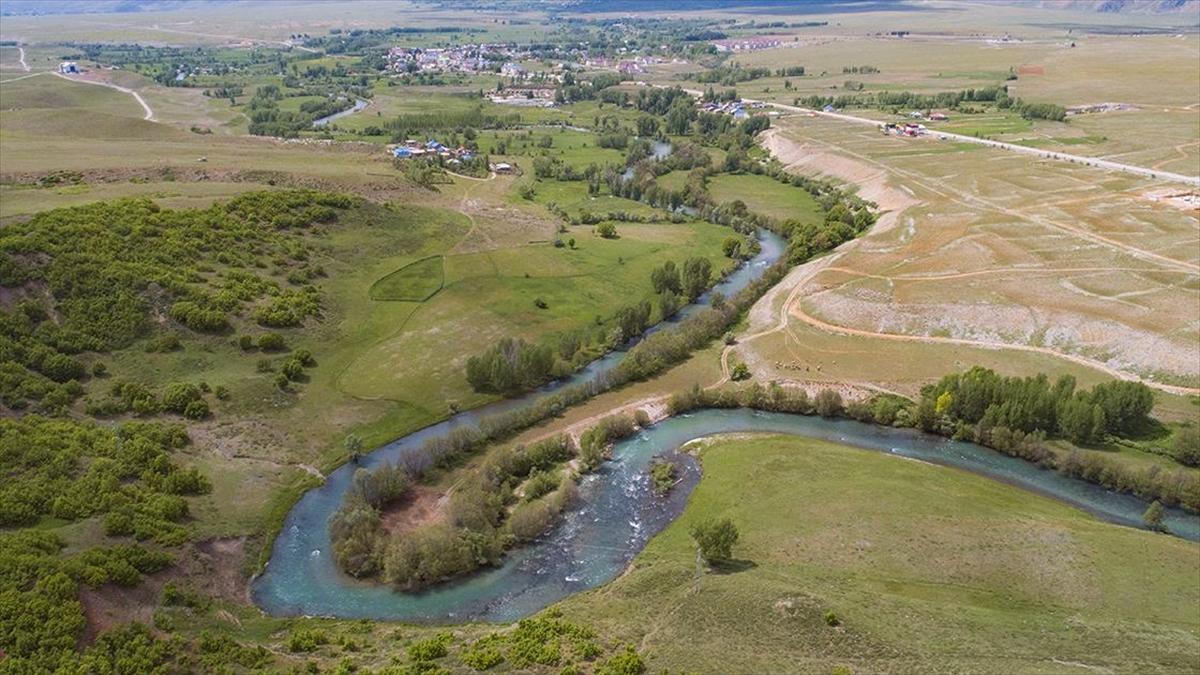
415, 282
927, 569
765, 195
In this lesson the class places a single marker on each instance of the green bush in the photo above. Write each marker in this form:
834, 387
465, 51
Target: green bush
305, 640
431, 648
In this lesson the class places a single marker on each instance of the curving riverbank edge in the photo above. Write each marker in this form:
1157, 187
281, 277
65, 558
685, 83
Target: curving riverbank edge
618, 514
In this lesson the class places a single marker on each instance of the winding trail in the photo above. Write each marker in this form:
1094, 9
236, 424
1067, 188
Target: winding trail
21, 58
149, 117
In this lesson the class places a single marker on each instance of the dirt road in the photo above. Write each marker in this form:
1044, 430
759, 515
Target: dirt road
1033, 152
138, 97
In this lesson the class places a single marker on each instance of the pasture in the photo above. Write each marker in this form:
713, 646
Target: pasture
766, 195
925, 568
415, 282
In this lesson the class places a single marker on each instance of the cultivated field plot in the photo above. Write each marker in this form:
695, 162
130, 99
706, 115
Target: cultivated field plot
980, 249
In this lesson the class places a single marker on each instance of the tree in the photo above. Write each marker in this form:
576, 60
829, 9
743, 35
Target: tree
666, 278
828, 403
607, 230
1186, 446
669, 303
697, 272
354, 446
732, 247
715, 539
1153, 517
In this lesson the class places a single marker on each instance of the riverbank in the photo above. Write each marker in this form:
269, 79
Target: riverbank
619, 513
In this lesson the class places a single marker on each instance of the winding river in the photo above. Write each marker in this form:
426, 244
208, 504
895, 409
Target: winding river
618, 511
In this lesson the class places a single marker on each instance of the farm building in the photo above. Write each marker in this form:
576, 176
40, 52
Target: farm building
68, 67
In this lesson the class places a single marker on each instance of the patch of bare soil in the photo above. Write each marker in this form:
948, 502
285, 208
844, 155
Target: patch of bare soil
216, 568
421, 505
1184, 201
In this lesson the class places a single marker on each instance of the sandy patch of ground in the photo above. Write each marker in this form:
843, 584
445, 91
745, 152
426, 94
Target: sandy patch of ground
215, 568
421, 505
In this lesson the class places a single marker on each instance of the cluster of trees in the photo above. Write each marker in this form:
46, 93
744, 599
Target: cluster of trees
102, 262
908, 99
695, 278
664, 349
182, 398
1172, 487
981, 397
479, 525
354, 528
486, 515
731, 75
419, 125
267, 119
896, 100
73, 470
511, 366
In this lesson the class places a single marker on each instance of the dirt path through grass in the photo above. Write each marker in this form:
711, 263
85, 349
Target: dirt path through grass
149, 117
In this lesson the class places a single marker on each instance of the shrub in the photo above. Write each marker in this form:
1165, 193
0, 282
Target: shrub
306, 640
606, 230
430, 648
179, 395
662, 475
627, 662
271, 342
641, 418
542, 483
196, 410
1185, 446
1153, 517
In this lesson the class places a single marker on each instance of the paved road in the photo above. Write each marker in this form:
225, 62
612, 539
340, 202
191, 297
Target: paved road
1034, 152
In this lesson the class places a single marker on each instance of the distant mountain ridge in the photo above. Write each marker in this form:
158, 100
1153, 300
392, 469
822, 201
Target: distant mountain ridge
1119, 6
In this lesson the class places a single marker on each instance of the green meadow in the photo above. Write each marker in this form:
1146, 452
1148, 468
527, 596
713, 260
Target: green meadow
922, 568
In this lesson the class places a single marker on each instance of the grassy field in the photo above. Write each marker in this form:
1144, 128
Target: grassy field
491, 295
415, 282
927, 569
764, 194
